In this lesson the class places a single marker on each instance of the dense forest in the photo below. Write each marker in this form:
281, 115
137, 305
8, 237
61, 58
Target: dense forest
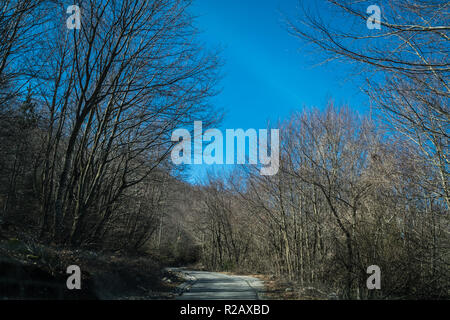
86, 117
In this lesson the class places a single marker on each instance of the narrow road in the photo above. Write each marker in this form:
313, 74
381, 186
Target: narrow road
203, 285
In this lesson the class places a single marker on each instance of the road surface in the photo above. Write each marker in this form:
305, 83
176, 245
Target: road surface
203, 285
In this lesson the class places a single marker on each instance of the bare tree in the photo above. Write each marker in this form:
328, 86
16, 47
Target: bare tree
406, 67
121, 84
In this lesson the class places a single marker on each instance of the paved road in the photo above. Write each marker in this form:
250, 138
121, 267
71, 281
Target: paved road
203, 285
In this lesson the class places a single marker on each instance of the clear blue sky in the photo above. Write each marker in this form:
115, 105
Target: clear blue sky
267, 72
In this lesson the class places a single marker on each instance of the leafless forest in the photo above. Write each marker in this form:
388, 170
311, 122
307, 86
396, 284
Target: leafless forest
85, 123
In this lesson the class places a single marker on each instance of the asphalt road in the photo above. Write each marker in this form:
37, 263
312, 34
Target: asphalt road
203, 285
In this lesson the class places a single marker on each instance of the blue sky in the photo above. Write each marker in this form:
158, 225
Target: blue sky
267, 73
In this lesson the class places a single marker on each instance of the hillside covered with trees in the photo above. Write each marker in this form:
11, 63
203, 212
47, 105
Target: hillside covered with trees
86, 118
